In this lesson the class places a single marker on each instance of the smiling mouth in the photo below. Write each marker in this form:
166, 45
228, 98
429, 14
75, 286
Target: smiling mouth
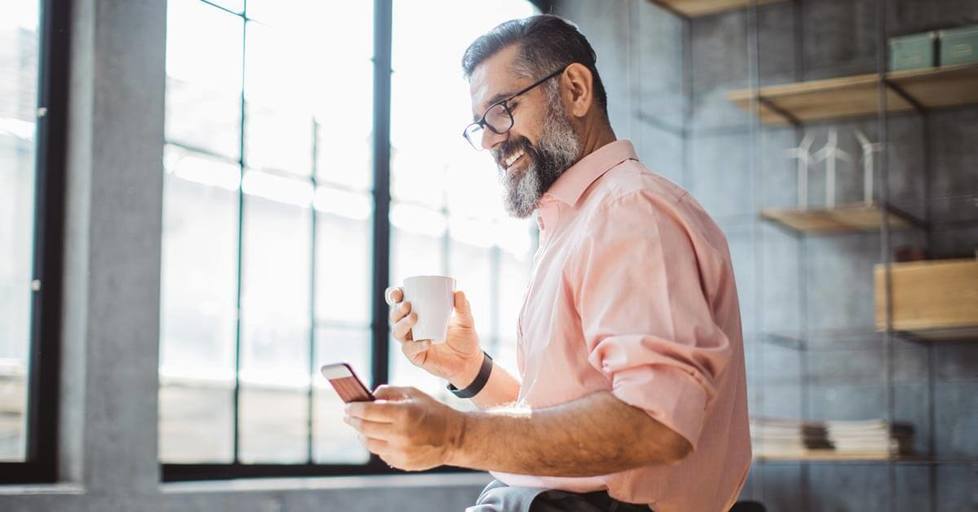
512, 159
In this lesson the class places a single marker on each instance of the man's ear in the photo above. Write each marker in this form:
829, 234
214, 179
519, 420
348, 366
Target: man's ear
577, 86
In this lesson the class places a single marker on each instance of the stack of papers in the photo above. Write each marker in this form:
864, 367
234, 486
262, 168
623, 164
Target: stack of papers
793, 439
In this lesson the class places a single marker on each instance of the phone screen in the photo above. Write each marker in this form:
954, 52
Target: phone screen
346, 383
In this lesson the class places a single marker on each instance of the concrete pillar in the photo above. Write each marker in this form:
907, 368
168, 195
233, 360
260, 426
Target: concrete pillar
112, 259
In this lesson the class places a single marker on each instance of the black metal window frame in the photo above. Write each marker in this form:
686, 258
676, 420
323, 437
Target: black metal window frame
382, 27
40, 462
381, 242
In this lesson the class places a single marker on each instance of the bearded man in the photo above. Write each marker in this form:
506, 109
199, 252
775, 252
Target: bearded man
631, 391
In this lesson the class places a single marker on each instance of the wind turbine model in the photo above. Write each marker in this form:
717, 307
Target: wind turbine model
869, 148
832, 154
804, 155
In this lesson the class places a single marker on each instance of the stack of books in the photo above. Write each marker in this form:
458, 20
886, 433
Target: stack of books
857, 440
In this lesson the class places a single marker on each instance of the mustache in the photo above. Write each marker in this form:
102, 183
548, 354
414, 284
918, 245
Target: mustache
511, 146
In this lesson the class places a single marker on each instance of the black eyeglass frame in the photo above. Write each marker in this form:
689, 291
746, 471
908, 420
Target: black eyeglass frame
482, 123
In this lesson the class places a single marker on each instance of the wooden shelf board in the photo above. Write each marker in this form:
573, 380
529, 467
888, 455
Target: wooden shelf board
857, 96
847, 218
696, 8
944, 334
856, 459
939, 87
827, 455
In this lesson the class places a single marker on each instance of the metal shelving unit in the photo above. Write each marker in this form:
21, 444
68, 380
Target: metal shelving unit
876, 95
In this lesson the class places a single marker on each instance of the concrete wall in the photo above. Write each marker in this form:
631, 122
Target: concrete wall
667, 79
108, 427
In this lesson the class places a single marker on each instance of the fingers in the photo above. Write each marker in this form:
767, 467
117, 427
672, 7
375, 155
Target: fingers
376, 446
402, 329
381, 411
388, 392
463, 310
399, 311
370, 429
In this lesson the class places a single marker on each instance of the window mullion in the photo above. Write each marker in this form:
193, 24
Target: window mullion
382, 199
236, 407
313, 276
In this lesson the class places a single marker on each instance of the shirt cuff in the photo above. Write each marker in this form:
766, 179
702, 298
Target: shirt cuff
669, 395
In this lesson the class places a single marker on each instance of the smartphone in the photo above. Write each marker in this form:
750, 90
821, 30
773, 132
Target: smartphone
346, 383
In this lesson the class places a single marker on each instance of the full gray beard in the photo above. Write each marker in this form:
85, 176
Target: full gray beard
557, 151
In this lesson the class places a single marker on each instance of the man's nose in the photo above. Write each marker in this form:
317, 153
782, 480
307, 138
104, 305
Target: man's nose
490, 138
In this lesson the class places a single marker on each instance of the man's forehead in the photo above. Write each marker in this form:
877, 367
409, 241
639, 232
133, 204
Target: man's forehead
494, 79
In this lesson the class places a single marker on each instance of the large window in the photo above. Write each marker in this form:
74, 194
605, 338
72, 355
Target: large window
33, 43
269, 224
267, 217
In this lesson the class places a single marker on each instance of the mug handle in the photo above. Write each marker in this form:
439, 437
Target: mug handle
388, 295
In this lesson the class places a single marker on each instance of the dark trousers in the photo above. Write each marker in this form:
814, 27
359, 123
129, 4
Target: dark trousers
499, 497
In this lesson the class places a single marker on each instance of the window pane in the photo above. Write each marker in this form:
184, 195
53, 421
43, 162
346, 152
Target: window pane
334, 89
232, 5
343, 266
275, 319
455, 185
273, 422
345, 129
514, 276
203, 95
279, 122
334, 441
414, 177
417, 248
416, 242
18, 101
198, 307
342, 25
430, 97
470, 265
196, 420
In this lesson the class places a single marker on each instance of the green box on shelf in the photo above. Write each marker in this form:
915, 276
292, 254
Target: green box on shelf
913, 51
959, 46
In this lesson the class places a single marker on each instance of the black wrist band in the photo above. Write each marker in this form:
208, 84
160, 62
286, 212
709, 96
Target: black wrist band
480, 380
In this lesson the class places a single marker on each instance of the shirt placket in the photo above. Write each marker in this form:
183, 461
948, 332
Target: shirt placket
547, 216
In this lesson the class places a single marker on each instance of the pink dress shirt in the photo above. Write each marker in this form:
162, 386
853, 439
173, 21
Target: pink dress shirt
632, 291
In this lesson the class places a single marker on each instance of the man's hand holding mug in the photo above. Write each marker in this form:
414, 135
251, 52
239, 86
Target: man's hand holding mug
447, 347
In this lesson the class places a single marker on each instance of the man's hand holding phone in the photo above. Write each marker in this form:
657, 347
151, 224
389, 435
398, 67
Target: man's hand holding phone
458, 359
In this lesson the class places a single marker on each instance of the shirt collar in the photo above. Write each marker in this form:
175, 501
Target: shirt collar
577, 178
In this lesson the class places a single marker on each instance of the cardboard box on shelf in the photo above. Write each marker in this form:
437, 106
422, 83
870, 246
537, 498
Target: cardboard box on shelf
913, 51
959, 46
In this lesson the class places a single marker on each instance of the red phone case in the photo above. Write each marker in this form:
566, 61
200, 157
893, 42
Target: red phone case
346, 383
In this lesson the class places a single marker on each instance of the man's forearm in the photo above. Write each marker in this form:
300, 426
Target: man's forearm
501, 388
594, 435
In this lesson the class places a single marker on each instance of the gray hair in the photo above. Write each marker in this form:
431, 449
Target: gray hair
547, 42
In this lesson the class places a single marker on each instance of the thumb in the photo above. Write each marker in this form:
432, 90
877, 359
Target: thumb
463, 310
388, 392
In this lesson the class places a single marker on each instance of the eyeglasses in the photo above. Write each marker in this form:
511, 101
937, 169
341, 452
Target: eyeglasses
499, 116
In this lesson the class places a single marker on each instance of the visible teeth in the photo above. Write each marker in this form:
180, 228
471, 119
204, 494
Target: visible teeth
512, 158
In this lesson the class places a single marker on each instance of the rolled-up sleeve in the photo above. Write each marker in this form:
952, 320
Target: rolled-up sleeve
645, 311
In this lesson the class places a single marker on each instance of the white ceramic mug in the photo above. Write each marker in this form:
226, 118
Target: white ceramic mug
432, 298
